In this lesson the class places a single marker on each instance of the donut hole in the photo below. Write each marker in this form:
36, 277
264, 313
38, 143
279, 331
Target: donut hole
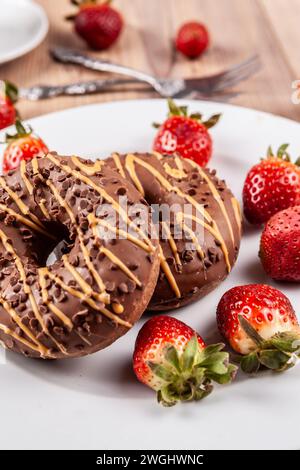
58, 248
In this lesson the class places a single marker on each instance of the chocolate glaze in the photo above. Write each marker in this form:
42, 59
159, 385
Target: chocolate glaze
98, 289
190, 274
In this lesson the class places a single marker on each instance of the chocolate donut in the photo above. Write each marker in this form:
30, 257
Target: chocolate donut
100, 286
199, 243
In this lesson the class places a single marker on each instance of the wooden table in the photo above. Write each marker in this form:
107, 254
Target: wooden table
238, 29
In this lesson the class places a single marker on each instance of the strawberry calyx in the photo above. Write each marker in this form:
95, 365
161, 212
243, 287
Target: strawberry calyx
21, 132
189, 376
82, 4
10, 90
175, 110
281, 154
278, 353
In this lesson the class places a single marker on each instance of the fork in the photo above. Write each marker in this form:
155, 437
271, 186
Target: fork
166, 87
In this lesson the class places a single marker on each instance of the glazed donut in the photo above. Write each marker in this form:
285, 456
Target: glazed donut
205, 213
99, 287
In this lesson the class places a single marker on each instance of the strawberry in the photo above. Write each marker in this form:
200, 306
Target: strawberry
185, 135
192, 39
271, 186
172, 359
24, 145
280, 245
97, 23
259, 323
8, 96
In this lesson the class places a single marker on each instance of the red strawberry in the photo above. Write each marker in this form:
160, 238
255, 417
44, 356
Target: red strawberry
271, 186
186, 135
280, 245
192, 39
24, 145
8, 96
98, 23
259, 322
173, 360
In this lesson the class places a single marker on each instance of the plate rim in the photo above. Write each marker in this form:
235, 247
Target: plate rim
38, 38
231, 106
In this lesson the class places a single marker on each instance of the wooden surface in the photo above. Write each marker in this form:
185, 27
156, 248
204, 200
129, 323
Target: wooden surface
238, 29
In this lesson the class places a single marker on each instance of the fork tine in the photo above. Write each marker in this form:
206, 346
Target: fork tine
233, 79
239, 67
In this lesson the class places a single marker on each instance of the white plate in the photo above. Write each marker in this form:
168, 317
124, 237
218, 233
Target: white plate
23, 26
95, 402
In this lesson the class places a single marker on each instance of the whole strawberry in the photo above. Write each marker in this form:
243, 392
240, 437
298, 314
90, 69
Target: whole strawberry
280, 245
24, 145
259, 323
271, 186
172, 359
185, 135
97, 23
192, 39
8, 96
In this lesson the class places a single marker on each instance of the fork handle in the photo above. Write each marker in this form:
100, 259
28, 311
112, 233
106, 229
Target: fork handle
93, 86
74, 57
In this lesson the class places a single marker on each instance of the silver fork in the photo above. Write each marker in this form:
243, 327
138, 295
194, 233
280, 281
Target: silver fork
166, 87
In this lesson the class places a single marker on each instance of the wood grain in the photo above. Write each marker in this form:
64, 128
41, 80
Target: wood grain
238, 29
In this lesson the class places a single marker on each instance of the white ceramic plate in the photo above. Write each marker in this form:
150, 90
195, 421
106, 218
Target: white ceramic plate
23, 26
96, 402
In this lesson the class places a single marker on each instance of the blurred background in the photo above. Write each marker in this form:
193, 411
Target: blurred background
237, 28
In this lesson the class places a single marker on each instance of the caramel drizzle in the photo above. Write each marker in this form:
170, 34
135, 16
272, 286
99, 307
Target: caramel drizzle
94, 221
88, 169
172, 243
23, 208
216, 196
14, 335
102, 297
84, 250
85, 296
169, 275
42, 206
193, 237
237, 212
24, 177
76, 275
63, 318
104, 194
12, 313
28, 291
179, 172
174, 172
25, 221
74, 272
118, 164
131, 159
213, 232
114, 259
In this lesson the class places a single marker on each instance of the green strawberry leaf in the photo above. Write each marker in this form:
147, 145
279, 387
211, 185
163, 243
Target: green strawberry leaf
250, 363
273, 359
188, 358
212, 121
171, 356
161, 371
286, 342
282, 152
